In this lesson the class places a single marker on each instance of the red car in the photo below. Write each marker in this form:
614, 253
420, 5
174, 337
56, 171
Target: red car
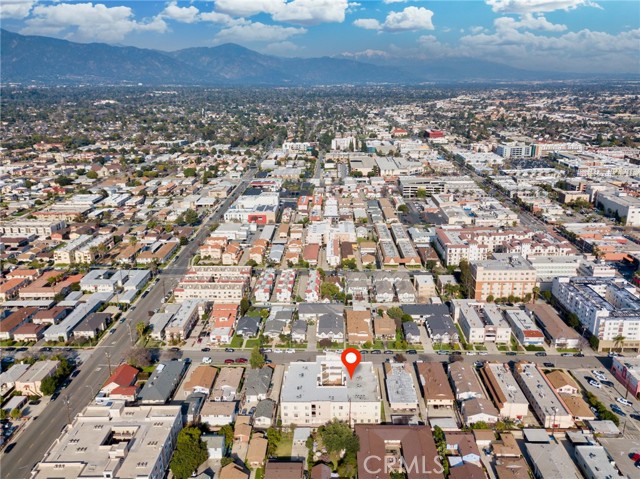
241, 360
635, 457
229, 361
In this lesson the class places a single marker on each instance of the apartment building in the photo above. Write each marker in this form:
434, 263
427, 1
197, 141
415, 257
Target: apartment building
481, 322
114, 440
409, 185
549, 409
557, 333
504, 391
464, 382
549, 267
401, 392
436, 390
607, 307
524, 327
184, 320
28, 228
315, 393
505, 276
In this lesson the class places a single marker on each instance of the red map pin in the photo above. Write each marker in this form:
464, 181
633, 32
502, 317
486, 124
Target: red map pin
351, 358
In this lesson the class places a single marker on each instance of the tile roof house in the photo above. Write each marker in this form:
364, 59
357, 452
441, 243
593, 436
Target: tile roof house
358, 325
257, 451
284, 470
233, 471
200, 381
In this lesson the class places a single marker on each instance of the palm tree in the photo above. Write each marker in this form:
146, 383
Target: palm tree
536, 292
618, 342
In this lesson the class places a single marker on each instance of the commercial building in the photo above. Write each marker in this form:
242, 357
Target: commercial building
544, 402
254, 208
504, 391
481, 322
114, 440
315, 393
627, 371
607, 307
503, 277
410, 185
619, 204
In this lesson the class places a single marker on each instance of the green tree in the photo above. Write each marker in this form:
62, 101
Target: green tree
618, 341
227, 432
403, 209
183, 241
395, 312
141, 328
274, 436
15, 414
338, 439
48, 386
245, 304
63, 180
329, 290
421, 193
92, 175
191, 217
189, 172
191, 451
3, 414
257, 358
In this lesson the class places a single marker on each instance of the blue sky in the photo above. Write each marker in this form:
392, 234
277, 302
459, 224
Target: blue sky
564, 35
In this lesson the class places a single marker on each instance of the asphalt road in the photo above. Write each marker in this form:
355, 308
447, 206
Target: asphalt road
35, 440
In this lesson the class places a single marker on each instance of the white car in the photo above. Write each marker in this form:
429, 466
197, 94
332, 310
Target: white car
470, 353
595, 372
595, 384
277, 351
290, 351
483, 353
624, 401
207, 360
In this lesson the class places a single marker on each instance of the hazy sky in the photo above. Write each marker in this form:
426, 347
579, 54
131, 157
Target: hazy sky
565, 35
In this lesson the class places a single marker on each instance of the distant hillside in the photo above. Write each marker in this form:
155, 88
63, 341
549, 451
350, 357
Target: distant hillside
27, 59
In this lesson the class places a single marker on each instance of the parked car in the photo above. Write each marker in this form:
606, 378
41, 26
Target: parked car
615, 408
290, 351
566, 355
549, 365
483, 353
595, 384
207, 360
364, 351
578, 355
511, 353
241, 360
624, 401
174, 349
277, 351
636, 417
607, 383
229, 350
229, 361
376, 351
388, 352
541, 354
205, 350
412, 351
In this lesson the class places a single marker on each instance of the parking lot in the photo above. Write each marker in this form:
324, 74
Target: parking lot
608, 395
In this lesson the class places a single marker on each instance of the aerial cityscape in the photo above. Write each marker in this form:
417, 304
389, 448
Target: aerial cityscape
224, 260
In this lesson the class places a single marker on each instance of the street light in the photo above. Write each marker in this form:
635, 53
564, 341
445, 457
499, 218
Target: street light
553, 424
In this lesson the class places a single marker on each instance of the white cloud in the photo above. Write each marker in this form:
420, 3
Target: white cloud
411, 18
191, 14
257, 32
528, 22
306, 12
285, 48
368, 23
188, 14
16, 8
536, 6
367, 54
88, 22
395, 1
582, 51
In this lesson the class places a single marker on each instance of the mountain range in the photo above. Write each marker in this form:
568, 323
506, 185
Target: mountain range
51, 61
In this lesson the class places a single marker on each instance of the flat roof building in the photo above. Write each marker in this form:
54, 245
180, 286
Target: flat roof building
313, 394
504, 391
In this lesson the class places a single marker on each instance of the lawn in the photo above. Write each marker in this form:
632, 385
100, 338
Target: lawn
568, 350
481, 347
237, 342
532, 347
502, 347
285, 445
251, 343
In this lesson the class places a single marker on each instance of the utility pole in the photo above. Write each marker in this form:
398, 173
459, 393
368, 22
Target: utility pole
108, 355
